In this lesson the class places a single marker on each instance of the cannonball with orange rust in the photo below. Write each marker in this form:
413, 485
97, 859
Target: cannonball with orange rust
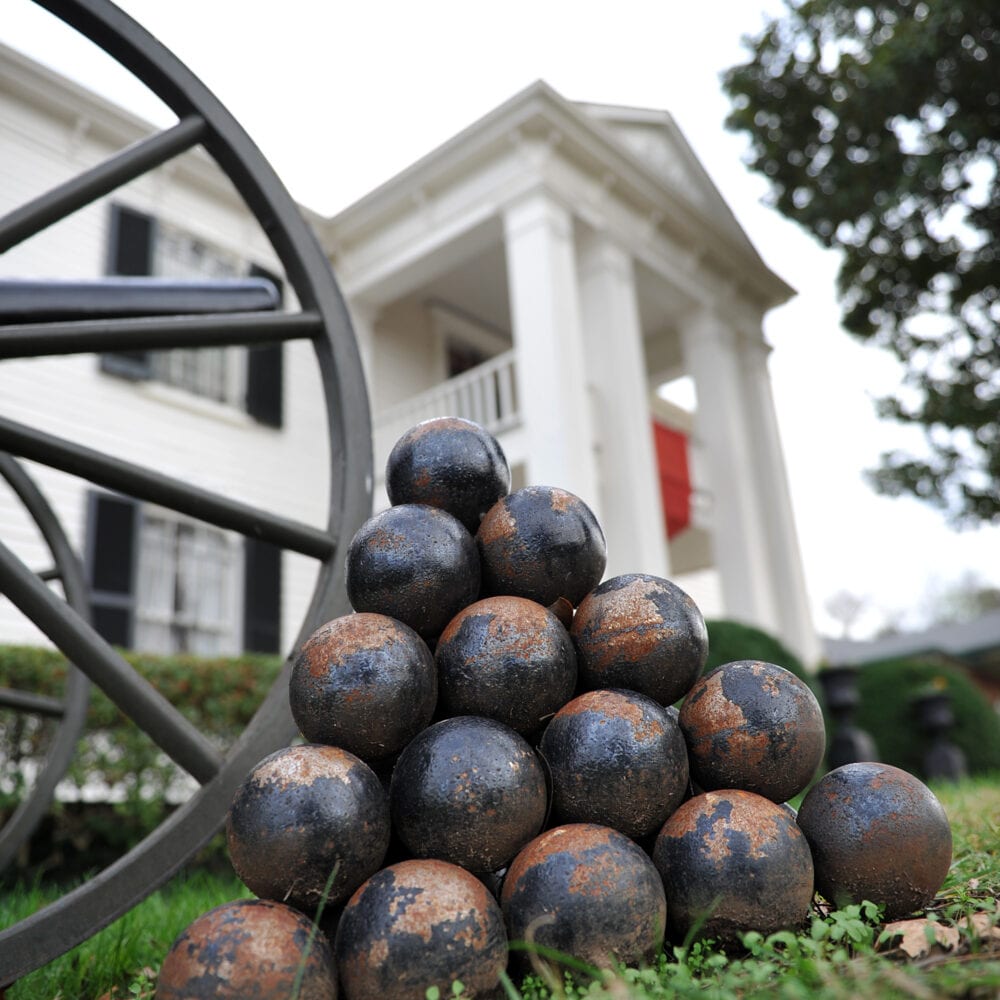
641, 632
414, 563
506, 658
308, 825
468, 790
542, 543
755, 726
451, 463
588, 892
878, 833
248, 948
416, 925
616, 758
365, 683
732, 861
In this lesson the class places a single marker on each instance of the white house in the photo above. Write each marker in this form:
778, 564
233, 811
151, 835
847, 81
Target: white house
545, 272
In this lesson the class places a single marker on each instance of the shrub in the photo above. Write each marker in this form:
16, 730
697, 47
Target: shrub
888, 689
730, 640
116, 762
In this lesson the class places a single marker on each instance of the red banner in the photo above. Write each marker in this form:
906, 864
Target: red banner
675, 478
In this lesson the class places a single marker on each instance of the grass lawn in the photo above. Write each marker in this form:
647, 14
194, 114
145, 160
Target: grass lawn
953, 950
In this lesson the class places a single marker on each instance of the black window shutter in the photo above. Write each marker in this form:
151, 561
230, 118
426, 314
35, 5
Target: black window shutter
112, 527
261, 597
265, 370
130, 250
132, 237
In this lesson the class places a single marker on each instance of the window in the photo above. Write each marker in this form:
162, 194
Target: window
163, 583
186, 587
247, 379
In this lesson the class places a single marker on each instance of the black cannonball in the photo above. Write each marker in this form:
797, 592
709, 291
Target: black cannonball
616, 758
415, 563
308, 825
542, 543
588, 892
248, 948
468, 790
755, 726
506, 658
365, 683
641, 632
876, 833
416, 925
451, 463
732, 862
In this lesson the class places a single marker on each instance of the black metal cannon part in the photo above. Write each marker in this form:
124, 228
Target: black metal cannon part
137, 318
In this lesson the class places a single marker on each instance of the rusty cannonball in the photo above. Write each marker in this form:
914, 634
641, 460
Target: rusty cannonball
248, 948
468, 790
616, 758
542, 543
731, 862
506, 658
640, 632
588, 892
451, 463
419, 924
365, 683
308, 823
755, 726
415, 563
876, 833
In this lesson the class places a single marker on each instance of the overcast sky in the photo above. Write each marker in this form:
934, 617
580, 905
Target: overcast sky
340, 97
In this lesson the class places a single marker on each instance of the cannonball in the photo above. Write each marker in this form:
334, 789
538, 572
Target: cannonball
414, 563
248, 948
616, 758
468, 790
308, 824
876, 833
419, 924
365, 683
732, 862
640, 632
755, 726
588, 892
506, 658
542, 543
451, 463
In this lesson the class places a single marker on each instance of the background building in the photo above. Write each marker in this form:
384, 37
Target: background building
546, 272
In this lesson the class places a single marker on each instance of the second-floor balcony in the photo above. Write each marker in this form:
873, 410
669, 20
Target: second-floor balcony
487, 394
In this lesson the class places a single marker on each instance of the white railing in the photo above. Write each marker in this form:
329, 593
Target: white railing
485, 394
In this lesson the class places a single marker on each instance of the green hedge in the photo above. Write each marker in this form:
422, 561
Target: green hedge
219, 695
729, 641
887, 690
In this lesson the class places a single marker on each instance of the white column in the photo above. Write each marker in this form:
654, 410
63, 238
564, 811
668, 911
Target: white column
626, 457
548, 338
796, 627
722, 427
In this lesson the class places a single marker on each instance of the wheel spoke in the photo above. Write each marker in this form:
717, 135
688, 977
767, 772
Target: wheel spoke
39, 339
31, 704
99, 180
166, 491
136, 697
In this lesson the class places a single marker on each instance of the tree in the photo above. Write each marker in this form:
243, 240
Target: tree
878, 127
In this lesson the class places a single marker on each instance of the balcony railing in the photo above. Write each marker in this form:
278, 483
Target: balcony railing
485, 394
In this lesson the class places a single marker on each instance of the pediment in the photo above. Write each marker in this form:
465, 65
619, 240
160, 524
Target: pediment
653, 138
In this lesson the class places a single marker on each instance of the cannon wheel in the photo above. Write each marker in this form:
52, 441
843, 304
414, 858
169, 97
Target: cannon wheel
71, 709
323, 319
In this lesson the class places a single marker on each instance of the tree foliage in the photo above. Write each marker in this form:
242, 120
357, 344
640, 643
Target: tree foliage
877, 125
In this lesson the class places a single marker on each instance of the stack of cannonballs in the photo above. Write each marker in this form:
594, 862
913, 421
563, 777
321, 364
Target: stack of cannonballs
493, 764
